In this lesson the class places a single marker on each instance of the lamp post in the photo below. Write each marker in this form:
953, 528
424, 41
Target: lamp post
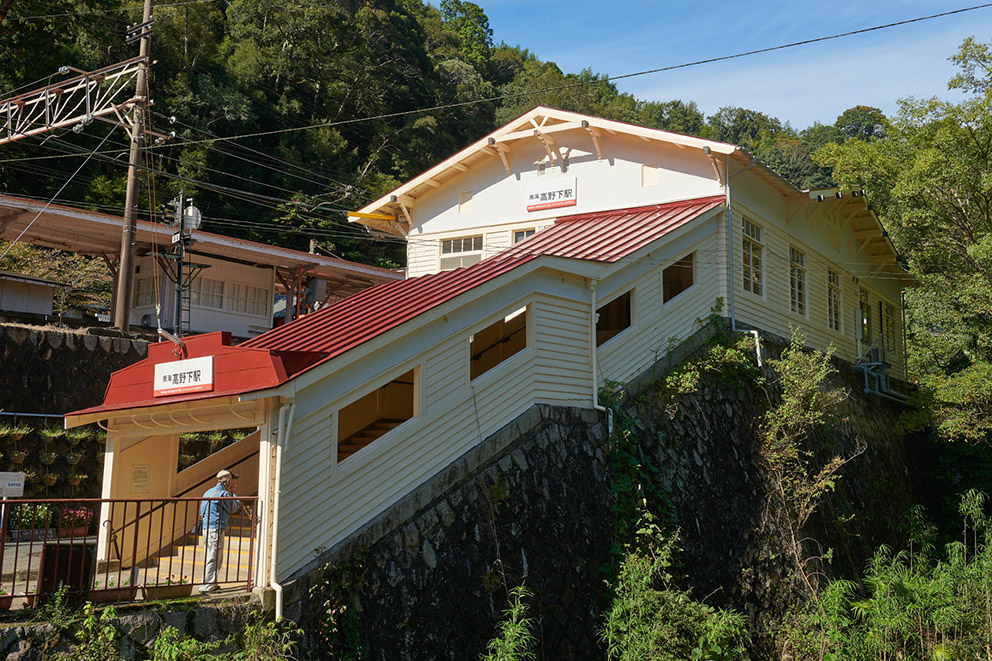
186, 220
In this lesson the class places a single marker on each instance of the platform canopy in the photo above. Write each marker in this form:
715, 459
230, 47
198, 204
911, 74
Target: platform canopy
91, 233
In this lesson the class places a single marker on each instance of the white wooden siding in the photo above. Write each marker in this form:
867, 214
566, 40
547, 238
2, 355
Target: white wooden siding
327, 503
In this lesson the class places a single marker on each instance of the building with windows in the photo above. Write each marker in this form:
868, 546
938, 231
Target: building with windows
233, 281
557, 253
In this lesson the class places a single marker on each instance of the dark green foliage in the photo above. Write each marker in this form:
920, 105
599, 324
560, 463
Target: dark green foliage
514, 640
649, 618
919, 603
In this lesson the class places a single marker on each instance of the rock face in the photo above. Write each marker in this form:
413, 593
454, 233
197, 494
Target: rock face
532, 504
52, 371
137, 630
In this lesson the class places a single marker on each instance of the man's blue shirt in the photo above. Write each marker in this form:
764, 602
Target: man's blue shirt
214, 513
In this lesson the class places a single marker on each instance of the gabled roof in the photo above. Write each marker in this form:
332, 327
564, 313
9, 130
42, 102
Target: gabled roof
548, 125
600, 237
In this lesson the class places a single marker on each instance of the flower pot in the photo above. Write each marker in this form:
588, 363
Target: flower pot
5, 601
50, 480
47, 458
73, 459
174, 591
18, 457
77, 532
108, 595
16, 436
74, 481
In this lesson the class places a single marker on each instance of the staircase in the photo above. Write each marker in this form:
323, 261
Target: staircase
360, 439
185, 558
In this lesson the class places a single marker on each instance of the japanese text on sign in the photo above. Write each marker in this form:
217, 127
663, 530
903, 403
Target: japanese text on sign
551, 193
182, 376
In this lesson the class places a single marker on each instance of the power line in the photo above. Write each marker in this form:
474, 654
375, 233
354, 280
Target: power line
26, 227
459, 104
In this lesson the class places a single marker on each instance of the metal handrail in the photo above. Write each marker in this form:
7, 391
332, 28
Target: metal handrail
42, 558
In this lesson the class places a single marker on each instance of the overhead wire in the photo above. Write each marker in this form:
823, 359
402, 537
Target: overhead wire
38, 215
102, 12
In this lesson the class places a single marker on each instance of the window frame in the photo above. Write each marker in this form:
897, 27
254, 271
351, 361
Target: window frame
835, 305
631, 316
476, 239
382, 444
798, 282
509, 361
528, 232
756, 243
694, 275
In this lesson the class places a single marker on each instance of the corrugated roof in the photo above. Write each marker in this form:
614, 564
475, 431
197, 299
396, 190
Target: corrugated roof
603, 237
279, 355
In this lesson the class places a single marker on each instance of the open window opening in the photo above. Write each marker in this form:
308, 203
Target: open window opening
613, 318
367, 419
678, 277
495, 343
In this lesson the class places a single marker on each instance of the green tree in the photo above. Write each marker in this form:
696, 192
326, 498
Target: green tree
862, 123
930, 179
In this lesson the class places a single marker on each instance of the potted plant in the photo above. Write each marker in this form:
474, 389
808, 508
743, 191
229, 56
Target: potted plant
18, 456
75, 477
76, 436
13, 432
47, 457
29, 522
51, 433
174, 587
110, 592
74, 457
49, 479
5, 600
74, 521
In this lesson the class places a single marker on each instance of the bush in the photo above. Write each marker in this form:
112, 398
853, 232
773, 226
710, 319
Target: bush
29, 517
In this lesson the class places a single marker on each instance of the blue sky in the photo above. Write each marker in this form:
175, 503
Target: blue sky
799, 85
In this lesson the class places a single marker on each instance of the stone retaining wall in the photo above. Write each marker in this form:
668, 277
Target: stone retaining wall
532, 504
53, 371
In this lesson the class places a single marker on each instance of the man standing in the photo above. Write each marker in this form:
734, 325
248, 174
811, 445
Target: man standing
213, 517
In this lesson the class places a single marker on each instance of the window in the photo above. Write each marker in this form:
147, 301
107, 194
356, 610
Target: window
833, 300
495, 343
889, 328
237, 297
465, 201
520, 235
677, 277
613, 318
797, 281
259, 302
208, 293
752, 258
462, 251
864, 305
370, 417
144, 293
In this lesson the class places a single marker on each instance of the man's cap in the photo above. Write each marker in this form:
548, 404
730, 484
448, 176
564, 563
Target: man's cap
226, 475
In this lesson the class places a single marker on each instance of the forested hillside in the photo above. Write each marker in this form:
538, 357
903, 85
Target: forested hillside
343, 100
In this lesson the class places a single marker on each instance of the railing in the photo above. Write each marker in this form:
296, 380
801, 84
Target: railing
118, 549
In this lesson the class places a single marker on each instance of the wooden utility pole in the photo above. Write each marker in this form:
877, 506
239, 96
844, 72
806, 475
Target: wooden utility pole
125, 271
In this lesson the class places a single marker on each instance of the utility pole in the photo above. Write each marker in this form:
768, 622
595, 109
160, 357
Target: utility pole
125, 271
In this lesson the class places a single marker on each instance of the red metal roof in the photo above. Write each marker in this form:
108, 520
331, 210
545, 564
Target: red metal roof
280, 354
603, 236
236, 370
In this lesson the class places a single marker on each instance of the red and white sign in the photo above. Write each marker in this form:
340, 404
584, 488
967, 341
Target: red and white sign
182, 376
551, 193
